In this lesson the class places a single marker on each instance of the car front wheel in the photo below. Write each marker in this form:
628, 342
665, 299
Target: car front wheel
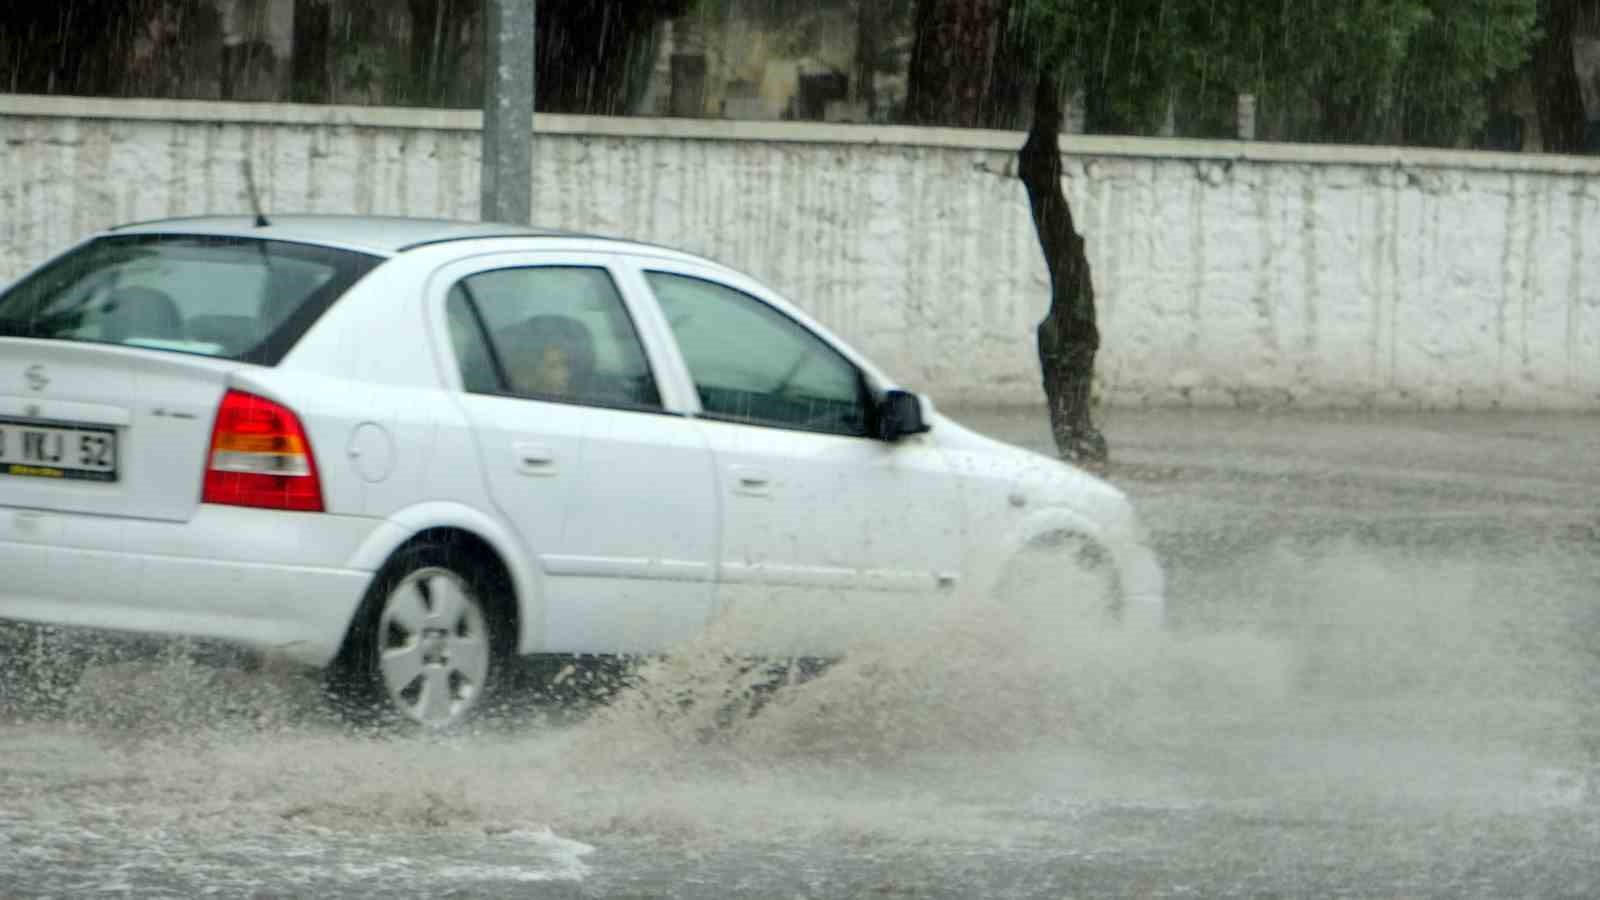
1066, 572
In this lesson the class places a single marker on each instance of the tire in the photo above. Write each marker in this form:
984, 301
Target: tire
429, 646
1096, 596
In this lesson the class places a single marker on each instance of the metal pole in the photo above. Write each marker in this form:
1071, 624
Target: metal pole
508, 92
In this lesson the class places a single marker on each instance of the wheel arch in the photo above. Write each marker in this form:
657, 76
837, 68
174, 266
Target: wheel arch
1049, 527
1141, 583
482, 535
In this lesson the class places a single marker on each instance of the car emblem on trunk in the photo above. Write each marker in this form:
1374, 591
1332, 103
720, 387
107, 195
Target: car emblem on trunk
36, 378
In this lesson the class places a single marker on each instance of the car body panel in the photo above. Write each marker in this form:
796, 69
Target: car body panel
388, 536
1017, 497
286, 585
160, 407
824, 532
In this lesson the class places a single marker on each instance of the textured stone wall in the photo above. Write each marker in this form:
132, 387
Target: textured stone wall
1228, 274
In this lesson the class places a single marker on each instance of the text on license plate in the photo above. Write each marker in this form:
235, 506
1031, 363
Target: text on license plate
58, 451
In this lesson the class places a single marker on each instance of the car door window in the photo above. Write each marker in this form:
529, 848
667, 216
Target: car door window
751, 363
471, 347
549, 333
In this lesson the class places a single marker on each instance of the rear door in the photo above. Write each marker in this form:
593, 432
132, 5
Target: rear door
610, 489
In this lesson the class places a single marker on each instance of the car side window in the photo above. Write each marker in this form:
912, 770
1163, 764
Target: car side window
751, 363
549, 333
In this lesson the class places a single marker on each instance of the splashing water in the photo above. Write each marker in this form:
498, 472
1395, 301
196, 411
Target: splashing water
1343, 677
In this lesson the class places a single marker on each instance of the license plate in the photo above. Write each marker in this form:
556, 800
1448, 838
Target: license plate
82, 453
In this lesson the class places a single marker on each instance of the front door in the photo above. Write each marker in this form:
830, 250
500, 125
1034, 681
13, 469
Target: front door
829, 536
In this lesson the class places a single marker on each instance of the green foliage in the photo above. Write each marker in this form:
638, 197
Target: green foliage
1455, 58
1411, 71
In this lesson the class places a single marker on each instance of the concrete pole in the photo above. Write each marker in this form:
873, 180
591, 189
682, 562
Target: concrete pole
1246, 116
1077, 111
508, 92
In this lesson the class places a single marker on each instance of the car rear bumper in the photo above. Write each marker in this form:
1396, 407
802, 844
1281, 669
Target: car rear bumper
277, 582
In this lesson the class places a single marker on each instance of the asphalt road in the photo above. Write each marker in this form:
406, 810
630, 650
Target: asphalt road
1381, 680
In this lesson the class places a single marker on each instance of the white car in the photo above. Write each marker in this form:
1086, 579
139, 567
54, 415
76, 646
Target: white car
405, 450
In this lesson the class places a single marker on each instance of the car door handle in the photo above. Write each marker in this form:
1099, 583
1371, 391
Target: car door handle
751, 481
535, 459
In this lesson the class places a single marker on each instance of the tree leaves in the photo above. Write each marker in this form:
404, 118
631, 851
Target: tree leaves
1405, 71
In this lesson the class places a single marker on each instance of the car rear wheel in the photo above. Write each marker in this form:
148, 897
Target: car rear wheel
428, 647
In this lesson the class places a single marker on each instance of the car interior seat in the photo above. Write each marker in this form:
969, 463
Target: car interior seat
234, 334
131, 313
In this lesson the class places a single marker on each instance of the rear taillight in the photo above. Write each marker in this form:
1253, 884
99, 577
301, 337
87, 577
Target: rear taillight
260, 457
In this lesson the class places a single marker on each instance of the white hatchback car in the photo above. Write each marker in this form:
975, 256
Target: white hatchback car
405, 450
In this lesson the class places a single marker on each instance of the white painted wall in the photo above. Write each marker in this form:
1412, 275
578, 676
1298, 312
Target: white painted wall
1228, 273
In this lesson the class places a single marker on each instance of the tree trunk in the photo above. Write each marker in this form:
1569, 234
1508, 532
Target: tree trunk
1068, 336
956, 63
135, 48
1557, 93
174, 50
440, 31
1339, 116
310, 69
869, 20
592, 52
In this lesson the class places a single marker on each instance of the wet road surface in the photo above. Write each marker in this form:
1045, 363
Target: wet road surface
1381, 679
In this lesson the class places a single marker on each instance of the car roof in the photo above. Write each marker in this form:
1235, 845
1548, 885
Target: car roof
387, 235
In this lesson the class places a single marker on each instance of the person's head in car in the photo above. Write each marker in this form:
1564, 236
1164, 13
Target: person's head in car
547, 372
548, 356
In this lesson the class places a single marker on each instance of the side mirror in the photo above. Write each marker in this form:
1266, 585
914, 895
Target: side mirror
900, 414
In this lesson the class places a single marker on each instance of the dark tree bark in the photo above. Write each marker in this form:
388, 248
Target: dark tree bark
964, 73
1068, 337
1341, 119
1557, 94
132, 48
441, 33
589, 51
877, 53
593, 53
51, 48
869, 18
957, 64
310, 63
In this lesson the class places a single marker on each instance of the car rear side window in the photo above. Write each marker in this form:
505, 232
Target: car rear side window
237, 298
549, 333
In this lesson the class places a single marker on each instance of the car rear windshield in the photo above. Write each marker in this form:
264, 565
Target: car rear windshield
236, 298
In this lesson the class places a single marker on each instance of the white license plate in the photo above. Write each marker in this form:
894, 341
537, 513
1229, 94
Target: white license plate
82, 453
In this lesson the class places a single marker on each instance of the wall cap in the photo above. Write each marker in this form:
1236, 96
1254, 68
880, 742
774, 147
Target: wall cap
41, 106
